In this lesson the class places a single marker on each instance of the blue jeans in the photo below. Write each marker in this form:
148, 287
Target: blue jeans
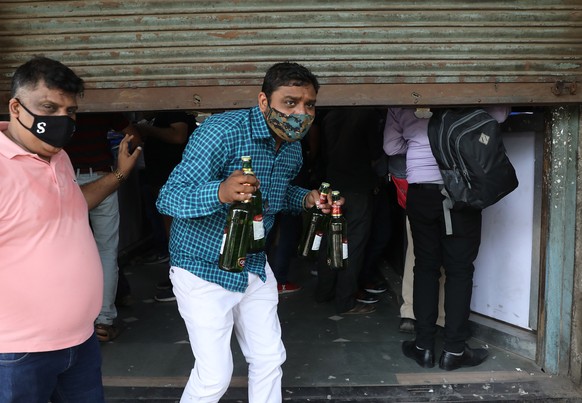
105, 224
69, 375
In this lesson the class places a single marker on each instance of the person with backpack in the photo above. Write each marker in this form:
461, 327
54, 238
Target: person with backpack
406, 132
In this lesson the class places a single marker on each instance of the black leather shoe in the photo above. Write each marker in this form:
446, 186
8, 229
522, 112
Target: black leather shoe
471, 357
424, 358
407, 325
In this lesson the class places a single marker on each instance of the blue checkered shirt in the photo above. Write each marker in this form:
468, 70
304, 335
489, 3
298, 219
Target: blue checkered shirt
190, 195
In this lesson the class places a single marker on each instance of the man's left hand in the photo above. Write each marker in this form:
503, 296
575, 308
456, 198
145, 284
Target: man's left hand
126, 160
312, 199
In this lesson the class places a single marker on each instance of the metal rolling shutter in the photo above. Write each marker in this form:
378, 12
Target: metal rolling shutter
139, 55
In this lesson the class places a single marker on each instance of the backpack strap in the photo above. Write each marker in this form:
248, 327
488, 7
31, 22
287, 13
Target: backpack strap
447, 206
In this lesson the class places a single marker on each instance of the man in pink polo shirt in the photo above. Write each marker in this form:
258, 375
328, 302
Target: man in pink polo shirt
50, 270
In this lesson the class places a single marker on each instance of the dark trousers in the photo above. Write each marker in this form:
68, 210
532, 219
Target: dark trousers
281, 244
456, 253
342, 285
380, 234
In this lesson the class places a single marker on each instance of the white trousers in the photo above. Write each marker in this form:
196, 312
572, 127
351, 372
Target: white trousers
211, 313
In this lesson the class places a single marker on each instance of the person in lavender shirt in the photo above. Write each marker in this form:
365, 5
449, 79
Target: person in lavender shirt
406, 132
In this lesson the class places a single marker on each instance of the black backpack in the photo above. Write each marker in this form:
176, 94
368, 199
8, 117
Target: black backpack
468, 147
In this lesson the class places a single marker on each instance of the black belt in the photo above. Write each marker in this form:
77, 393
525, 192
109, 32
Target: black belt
427, 186
106, 168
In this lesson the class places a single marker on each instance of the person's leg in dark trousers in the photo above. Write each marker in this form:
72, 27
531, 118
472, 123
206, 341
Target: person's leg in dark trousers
341, 285
425, 213
358, 213
380, 234
282, 244
459, 252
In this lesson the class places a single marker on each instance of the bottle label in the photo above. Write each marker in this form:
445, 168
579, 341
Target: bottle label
336, 210
345, 249
223, 243
316, 241
258, 227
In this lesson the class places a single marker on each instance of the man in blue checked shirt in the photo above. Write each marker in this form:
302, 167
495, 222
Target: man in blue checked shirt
197, 195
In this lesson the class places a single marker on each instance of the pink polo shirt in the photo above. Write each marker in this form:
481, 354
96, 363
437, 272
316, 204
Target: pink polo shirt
51, 280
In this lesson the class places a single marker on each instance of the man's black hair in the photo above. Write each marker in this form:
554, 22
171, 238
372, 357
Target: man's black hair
54, 74
287, 74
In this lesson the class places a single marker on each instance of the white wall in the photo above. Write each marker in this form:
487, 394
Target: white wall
502, 281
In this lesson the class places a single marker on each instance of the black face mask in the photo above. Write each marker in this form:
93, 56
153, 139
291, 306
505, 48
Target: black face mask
53, 130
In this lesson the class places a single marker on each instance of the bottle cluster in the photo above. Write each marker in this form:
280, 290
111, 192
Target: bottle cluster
317, 225
244, 231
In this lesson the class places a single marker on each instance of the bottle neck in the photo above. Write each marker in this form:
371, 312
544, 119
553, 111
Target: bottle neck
336, 210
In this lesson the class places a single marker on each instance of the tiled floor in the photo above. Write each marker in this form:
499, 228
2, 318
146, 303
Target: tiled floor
330, 358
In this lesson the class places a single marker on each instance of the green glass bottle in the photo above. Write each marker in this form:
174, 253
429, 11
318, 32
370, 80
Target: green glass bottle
337, 241
314, 223
235, 241
257, 229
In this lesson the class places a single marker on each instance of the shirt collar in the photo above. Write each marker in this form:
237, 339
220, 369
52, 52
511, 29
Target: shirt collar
9, 148
258, 121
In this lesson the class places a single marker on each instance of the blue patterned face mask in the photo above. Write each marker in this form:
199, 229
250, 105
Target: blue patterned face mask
288, 127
